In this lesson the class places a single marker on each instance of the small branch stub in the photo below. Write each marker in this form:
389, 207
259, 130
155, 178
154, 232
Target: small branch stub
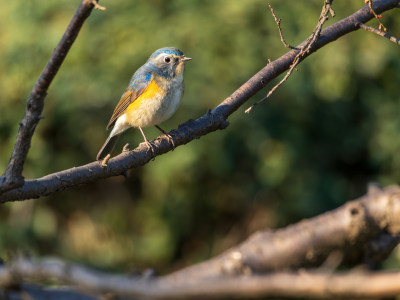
97, 5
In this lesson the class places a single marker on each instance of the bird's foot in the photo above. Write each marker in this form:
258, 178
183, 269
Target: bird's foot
167, 135
171, 140
151, 147
105, 160
126, 148
149, 144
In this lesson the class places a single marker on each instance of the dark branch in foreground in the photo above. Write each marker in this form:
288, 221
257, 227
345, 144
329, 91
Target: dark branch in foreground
193, 129
365, 229
318, 284
352, 232
13, 178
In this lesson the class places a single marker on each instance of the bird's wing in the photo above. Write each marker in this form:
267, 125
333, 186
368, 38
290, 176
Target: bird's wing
136, 87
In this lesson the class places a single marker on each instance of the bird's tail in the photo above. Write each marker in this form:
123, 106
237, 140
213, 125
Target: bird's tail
107, 147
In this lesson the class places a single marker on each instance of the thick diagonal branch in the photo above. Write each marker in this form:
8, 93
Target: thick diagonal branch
13, 176
193, 129
352, 231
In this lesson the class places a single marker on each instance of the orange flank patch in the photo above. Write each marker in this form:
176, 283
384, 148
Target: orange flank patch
151, 91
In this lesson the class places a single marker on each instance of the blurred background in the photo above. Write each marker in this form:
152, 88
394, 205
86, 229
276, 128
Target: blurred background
332, 128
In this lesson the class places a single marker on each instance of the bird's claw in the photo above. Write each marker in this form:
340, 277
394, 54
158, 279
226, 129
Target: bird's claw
105, 160
151, 146
171, 140
126, 148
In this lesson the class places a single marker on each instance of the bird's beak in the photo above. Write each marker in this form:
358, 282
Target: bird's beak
185, 58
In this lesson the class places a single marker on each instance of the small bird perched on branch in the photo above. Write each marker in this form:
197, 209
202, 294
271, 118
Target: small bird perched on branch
152, 96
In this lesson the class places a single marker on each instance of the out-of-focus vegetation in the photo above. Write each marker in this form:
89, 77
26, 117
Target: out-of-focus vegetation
328, 131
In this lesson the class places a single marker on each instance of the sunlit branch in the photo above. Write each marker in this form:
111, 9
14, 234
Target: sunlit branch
193, 129
13, 178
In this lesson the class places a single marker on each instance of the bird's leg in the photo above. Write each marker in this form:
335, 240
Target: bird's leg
104, 162
150, 145
167, 134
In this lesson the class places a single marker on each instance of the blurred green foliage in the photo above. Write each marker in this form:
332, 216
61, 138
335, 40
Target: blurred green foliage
328, 131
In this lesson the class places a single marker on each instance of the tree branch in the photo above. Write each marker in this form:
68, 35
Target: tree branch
381, 33
254, 268
193, 129
278, 24
36, 292
326, 9
318, 284
345, 230
13, 178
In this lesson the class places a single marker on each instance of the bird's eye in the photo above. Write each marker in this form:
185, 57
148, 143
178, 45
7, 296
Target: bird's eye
167, 59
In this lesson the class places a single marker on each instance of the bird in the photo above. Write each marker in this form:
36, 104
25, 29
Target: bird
152, 96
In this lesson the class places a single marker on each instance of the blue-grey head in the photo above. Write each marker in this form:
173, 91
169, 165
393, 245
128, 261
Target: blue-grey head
168, 61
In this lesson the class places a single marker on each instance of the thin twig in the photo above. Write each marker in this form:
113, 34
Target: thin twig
278, 23
381, 33
13, 178
378, 17
329, 7
326, 9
